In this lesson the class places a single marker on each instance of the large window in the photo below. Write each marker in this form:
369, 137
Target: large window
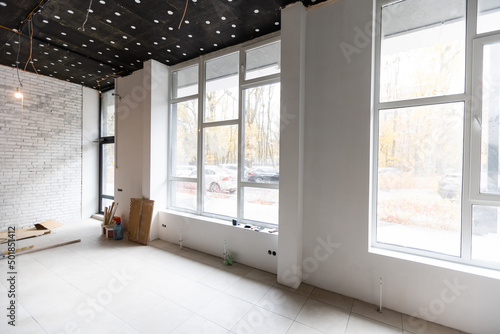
107, 150
436, 129
224, 135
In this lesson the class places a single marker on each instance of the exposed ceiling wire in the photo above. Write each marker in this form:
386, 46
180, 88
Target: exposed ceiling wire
86, 17
185, 10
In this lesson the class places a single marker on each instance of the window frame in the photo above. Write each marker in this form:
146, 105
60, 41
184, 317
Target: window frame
471, 137
103, 140
243, 84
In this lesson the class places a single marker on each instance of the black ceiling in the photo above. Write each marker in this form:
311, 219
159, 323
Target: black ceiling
118, 36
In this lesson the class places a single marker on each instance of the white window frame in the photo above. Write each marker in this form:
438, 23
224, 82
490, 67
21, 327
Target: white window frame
472, 137
200, 97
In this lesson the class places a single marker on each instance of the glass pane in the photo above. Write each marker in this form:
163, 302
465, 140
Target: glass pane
221, 147
263, 61
221, 101
108, 114
488, 18
108, 169
423, 49
184, 195
485, 233
490, 131
420, 177
184, 138
185, 82
262, 133
106, 203
261, 204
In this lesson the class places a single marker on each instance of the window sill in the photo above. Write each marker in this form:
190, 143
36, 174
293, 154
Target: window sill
217, 221
469, 269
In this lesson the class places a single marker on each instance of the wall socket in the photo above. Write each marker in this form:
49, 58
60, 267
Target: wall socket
271, 252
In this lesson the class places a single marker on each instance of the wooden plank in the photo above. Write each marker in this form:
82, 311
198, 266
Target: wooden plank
146, 219
134, 219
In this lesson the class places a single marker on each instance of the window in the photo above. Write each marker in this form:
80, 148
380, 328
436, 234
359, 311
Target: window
436, 132
224, 135
107, 150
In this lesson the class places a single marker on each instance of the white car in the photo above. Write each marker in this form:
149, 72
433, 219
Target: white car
218, 180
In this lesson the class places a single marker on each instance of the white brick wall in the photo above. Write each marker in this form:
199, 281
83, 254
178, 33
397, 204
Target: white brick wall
40, 150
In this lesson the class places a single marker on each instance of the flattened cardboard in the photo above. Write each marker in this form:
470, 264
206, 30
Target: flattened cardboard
134, 219
30, 232
146, 218
140, 217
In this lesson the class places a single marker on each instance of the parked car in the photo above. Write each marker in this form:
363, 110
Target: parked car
263, 174
185, 170
450, 186
218, 180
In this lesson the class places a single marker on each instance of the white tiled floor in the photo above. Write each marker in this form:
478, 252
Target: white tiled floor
106, 286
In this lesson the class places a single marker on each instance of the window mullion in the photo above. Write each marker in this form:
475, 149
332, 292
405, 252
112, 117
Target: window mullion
241, 139
200, 162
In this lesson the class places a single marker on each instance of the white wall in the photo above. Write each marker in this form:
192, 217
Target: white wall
336, 186
90, 152
40, 149
141, 105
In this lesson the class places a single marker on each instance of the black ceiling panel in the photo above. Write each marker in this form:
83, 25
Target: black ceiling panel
118, 36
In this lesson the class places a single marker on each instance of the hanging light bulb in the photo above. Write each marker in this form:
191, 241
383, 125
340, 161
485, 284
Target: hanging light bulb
18, 93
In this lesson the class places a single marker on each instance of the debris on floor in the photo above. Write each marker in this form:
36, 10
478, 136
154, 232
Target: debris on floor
30, 232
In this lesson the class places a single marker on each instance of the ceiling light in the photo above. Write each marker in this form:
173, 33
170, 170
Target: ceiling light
18, 94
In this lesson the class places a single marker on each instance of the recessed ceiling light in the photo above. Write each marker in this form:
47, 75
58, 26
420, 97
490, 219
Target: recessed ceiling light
45, 21
178, 46
137, 1
63, 33
57, 17
102, 2
65, 45
276, 23
223, 18
207, 22
99, 52
8, 52
168, 50
112, 42
84, 45
155, 43
93, 28
126, 49
3, 4
164, 38
117, 56
48, 38
201, 49
108, 20
149, 53
187, 22
138, 43
91, 40
117, 14
156, 21
170, 12
190, 36
233, 25
217, 32
257, 30
256, 11
70, 11
215, 44
133, 27
183, 54
170, 28
233, 36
